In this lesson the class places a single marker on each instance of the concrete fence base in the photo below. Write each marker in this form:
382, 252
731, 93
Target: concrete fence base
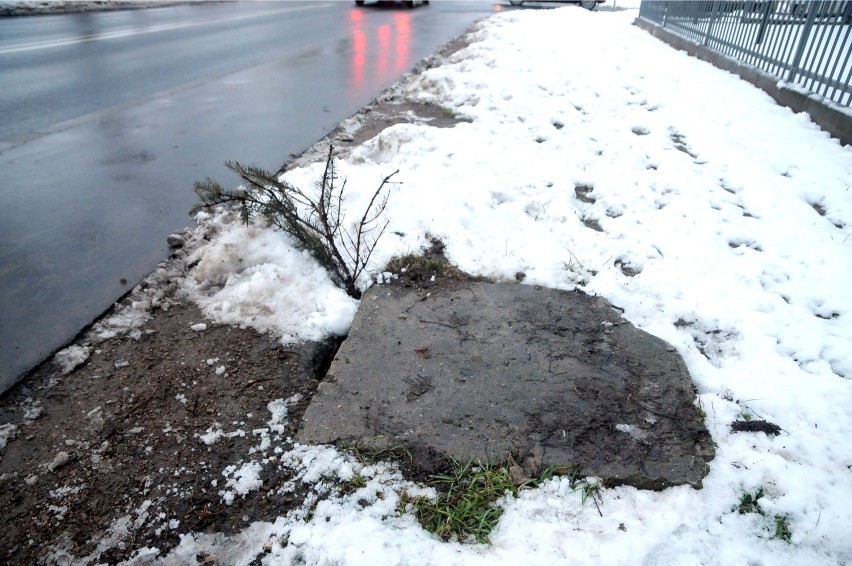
834, 121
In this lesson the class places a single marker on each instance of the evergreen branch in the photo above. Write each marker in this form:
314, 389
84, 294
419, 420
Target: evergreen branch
316, 223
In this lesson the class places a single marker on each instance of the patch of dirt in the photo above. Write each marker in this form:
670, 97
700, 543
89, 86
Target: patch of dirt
381, 115
582, 193
770, 429
391, 108
428, 269
112, 450
592, 223
626, 267
372, 120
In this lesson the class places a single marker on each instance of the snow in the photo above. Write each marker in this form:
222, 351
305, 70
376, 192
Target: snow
253, 276
734, 215
8, 431
34, 7
71, 357
58, 461
278, 408
212, 436
241, 480
126, 320
215, 433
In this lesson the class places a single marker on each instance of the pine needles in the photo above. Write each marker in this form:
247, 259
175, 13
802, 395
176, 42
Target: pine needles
315, 221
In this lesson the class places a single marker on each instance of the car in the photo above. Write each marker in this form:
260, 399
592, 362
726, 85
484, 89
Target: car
587, 4
410, 3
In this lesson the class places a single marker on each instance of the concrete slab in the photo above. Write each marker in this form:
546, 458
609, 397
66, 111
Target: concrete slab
512, 374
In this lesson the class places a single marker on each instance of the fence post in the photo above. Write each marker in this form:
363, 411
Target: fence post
714, 12
764, 22
803, 41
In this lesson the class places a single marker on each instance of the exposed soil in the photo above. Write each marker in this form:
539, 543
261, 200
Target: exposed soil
771, 429
119, 437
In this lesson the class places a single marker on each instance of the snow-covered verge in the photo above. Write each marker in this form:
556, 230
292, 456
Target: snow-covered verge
595, 155
42, 7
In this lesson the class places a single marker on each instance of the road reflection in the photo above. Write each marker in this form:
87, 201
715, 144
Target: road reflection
379, 53
403, 40
359, 46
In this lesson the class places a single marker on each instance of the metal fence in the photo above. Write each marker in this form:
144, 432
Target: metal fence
808, 44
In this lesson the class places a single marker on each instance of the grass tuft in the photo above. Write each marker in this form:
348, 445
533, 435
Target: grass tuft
573, 264
370, 453
358, 481
749, 502
699, 409
782, 529
591, 490
465, 507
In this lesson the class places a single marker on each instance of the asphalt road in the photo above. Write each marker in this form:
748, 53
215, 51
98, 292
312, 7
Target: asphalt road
109, 117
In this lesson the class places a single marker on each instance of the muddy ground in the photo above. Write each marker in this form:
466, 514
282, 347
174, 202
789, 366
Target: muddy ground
120, 436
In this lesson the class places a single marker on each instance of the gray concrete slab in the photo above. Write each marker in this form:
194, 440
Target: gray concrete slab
512, 374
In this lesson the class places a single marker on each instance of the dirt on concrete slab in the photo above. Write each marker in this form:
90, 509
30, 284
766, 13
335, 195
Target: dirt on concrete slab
512, 374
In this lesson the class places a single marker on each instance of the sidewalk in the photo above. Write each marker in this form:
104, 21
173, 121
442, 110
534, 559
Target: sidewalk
584, 154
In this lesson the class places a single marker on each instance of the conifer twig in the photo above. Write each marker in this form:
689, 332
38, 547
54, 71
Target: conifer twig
315, 222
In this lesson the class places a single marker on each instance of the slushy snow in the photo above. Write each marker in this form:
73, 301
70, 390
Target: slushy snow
71, 357
594, 156
252, 276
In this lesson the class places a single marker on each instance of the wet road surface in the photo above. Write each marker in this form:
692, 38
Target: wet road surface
109, 117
